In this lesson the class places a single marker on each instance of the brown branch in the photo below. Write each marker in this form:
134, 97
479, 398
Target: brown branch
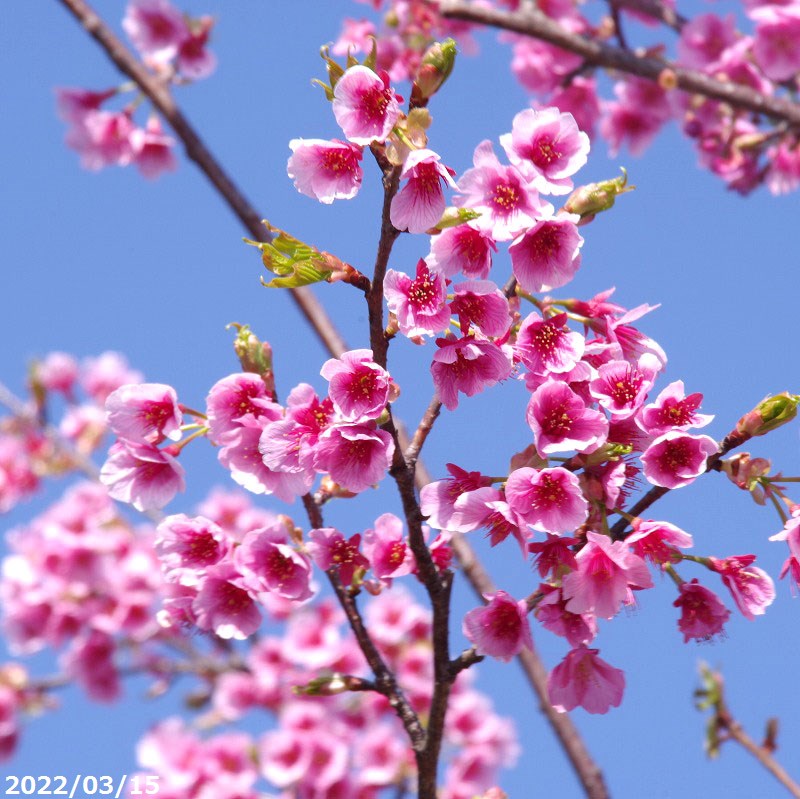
536, 24
158, 93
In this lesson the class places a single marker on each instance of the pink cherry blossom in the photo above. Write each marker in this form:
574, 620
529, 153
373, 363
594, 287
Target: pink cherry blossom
507, 199
752, 588
702, 614
359, 388
606, 575
147, 412
102, 138
554, 556
58, 371
657, 541
239, 401
672, 410
551, 612
152, 149
267, 562
791, 534
329, 549
561, 421
156, 29
546, 255
355, 456
419, 205
464, 248
365, 106
499, 629
90, 661
195, 61
540, 66
387, 550
584, 680
704, 39
547, 147
676, 459
579, 98
224, 605
325, 170
775, 46
550, 500
467, 365
443, 501
548, 345
481, 303
420, 305
141, 475
72, 104
186, 546
621, 387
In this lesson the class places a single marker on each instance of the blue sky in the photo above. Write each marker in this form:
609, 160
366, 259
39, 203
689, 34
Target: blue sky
156, 270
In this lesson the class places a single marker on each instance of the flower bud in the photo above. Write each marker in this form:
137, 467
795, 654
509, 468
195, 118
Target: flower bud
770, 413
254, 355
328, 685
587, 201
435, 69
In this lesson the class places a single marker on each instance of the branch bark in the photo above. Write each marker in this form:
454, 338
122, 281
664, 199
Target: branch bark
534, 23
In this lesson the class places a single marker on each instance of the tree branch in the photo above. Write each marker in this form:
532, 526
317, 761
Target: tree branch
158, 94
536, 24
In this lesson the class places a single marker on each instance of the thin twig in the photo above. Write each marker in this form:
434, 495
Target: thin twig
422, 431
158, 93
536, 24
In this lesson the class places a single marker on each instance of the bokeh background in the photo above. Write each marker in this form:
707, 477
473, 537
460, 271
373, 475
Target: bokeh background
110, 261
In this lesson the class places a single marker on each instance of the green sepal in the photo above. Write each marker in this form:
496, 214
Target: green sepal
452, 217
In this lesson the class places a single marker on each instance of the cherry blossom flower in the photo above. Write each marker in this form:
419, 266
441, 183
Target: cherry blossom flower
365, 106
268, 563
224, 605
325, 170
704, 39
330, 550
510, 203
791, 534
195, 61
551, 611
58, 371
467, 365
579, 98
548, 345
239, 401
102, 138
657, 541
550, 500
102, 375
621, 387
419, 205
584, 680
464, 248
147, 412
90, 661
72, 104
546, 255
672, 410
676, 459
156, 29
547, 147
386, 548
420, 305
152, 149
141, 475
481, 303
606, 575
752, 588
702, 614
500, 628
359, 388
561, 421
554, 556
444, 501
187, 546
355, 456
774, 48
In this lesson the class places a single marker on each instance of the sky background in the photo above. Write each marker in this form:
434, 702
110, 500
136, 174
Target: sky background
110, 261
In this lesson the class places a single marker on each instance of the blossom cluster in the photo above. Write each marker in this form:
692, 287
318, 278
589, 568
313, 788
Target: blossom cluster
174, 47
734, 144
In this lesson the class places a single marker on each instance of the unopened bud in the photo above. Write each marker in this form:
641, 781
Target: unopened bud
768, 415
254, 355
435, 69
587, 201
330, 685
